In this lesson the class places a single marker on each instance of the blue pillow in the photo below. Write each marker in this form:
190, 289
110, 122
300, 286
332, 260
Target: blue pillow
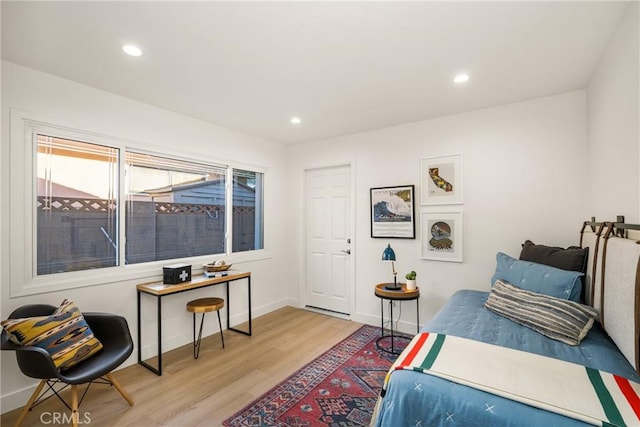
539, 278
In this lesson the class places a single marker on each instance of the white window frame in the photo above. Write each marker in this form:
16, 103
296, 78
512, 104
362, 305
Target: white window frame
24, 126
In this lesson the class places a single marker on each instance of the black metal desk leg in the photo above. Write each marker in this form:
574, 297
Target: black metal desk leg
157, 371
139, 331
229, 327
159, 335
249, 290
226, 285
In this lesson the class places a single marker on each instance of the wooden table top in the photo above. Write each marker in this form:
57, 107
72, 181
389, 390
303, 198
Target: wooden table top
159, 288
402, 294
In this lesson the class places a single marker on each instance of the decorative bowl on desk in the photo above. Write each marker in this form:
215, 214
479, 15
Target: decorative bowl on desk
212, 268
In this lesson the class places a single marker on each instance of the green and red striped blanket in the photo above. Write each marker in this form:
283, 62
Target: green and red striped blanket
569, 389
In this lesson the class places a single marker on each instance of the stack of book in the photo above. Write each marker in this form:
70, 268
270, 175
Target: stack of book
210, 274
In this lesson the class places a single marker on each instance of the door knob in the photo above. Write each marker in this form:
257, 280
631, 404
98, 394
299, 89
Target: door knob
348, 251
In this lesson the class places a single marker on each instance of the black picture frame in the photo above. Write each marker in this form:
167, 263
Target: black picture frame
392, 211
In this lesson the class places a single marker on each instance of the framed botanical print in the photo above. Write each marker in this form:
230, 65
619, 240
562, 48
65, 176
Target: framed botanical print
392, 212
441, 235
441, 180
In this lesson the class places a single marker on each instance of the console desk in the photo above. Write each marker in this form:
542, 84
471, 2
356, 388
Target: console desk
160, 290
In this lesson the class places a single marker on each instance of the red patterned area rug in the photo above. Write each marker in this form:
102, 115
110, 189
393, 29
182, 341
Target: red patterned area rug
339, 388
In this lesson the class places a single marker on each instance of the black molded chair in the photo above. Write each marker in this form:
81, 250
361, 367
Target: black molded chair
35, 362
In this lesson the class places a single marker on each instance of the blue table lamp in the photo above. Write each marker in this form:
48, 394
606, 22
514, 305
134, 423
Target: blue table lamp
390, 256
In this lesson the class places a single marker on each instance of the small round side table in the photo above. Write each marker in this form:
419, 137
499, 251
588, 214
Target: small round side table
392, 295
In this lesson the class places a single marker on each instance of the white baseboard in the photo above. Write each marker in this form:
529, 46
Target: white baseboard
327, 312
402, 326
18, 398
150, 349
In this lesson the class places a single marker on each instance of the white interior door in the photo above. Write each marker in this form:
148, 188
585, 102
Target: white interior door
328, 243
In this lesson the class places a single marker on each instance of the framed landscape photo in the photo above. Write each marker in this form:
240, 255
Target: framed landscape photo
392, 212
441, 234
441, 180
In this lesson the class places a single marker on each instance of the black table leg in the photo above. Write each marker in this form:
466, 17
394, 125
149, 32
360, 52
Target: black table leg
381, 317
226, 285
139, 331
417, 315
158, 370
391, 324
159, 335
229, 304
249, 298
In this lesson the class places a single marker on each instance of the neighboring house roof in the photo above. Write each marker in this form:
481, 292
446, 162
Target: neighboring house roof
184, 186
191, 186
59, 190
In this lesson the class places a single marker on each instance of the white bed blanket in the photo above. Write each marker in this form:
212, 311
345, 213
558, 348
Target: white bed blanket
569, 389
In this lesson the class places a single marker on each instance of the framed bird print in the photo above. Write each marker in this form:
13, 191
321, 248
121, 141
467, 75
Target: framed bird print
441, 180
441, 235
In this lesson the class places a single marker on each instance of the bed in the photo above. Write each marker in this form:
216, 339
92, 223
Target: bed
608, 281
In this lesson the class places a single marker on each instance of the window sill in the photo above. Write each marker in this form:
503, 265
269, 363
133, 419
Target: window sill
140, 273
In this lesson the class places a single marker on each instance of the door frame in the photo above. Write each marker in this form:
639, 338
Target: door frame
302, 287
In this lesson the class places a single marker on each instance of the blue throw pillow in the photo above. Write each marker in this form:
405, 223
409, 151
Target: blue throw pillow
539, 278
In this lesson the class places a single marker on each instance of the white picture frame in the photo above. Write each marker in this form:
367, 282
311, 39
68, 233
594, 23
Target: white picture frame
441, 235
441, 180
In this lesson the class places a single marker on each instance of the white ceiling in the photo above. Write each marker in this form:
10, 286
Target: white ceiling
343, 67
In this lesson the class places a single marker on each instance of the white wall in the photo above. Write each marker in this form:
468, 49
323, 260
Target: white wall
614, 127
524, 168
95, 110
525, 177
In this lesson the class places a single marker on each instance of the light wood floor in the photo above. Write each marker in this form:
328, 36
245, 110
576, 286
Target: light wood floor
206, 391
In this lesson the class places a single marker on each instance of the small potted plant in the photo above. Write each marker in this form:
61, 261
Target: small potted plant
411, 280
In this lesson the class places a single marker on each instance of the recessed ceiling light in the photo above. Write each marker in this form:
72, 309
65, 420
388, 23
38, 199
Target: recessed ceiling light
295, 120
132, 50
461, 78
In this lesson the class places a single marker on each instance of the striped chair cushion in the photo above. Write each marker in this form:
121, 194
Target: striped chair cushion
65, 335
559, 319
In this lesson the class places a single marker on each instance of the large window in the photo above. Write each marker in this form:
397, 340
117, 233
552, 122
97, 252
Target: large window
173, 208
247, 211
76, 205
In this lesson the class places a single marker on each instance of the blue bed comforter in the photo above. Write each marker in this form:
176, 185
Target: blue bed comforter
415, 399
